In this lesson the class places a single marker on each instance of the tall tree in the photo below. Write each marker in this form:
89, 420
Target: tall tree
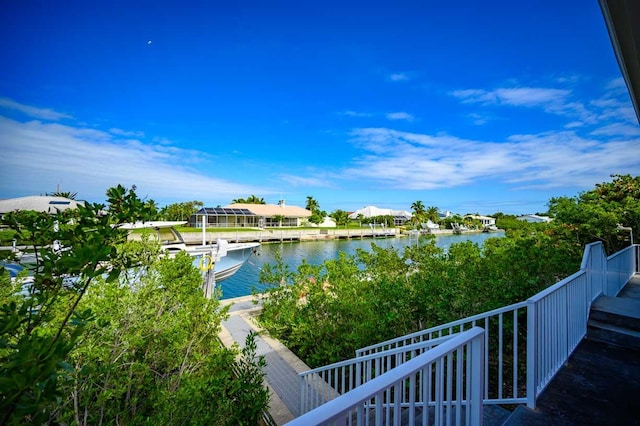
433, 213
341, 217
418, 212
279, 218
598, 214
312, 205
180, 211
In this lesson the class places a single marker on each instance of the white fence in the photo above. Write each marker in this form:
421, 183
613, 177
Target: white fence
323, 384
504, 328
440, 386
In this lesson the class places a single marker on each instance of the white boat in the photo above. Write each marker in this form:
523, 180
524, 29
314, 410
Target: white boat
429, 225
223, 258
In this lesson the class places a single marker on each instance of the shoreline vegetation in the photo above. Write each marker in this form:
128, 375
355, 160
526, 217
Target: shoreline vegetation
109, 347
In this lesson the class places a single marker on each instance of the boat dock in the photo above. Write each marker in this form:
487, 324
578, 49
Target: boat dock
284, 235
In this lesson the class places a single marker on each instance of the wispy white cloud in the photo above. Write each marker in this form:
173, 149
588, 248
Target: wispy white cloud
478, 119
400, 116
618, 129
315, 181
517, 96
127, 133
349, 113
617, 84
89, 161
31, 111
423, 162
560, 102
400, 76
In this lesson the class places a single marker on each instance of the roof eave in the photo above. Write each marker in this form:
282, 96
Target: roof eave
624, 32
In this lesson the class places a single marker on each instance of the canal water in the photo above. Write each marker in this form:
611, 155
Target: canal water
315, 252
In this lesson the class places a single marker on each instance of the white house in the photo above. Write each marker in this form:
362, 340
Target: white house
399, 216
534, 218
485, 220
39, 203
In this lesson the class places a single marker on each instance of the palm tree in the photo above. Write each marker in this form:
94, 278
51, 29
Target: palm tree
341, 217
252, 199
312, 205
65, 194
433, 213
418, 212
279, 218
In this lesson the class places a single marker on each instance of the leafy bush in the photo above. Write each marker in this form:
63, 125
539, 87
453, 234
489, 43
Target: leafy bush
105, 332
325, 312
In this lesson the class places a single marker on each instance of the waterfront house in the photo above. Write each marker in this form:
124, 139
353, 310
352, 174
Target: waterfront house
534, 218
37, 203
240, 215
400, 217
484, 220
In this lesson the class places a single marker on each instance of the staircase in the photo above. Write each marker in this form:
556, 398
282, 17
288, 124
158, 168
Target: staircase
616, 320
600, 382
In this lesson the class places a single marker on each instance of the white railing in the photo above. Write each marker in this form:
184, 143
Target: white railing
504, 338
440, 386
557, 316
323, 384
620, 268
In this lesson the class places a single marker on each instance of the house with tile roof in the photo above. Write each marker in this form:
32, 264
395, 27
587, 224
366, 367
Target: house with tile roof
240, 215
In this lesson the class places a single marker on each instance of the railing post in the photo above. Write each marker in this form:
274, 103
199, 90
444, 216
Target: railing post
302, 395
477, 379
532, 349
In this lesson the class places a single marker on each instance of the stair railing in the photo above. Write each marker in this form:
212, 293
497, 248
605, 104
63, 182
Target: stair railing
620, 268
323, 384
505, 367
440, 386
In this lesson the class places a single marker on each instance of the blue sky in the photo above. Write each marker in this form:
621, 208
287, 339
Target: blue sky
470, 107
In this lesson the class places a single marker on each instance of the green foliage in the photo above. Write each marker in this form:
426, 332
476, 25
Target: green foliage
317, 215
103, 331
279, 218
179, 211
324, 313
251, 199
511, 223
312, 205
65, 194
596, 214
386, 220
43, 323
153, 354
341, 217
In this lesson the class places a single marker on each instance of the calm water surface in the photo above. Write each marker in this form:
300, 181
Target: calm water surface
315, 252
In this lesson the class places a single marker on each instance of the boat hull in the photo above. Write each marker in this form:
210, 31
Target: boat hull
226, 266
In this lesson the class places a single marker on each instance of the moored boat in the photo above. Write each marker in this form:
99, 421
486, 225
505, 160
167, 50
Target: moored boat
224, 258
